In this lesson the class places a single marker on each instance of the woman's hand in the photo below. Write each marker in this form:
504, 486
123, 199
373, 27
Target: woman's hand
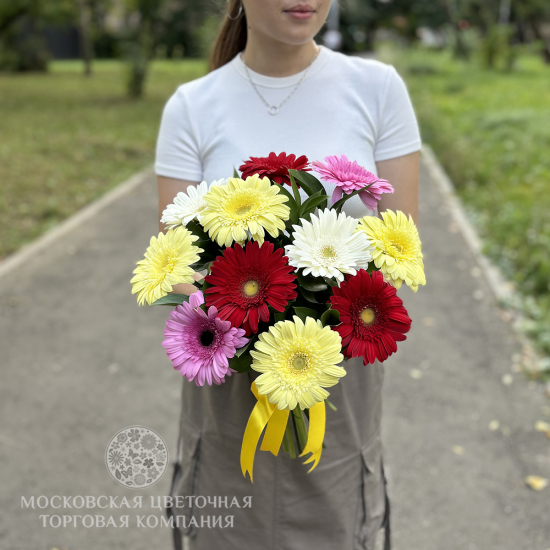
186, 288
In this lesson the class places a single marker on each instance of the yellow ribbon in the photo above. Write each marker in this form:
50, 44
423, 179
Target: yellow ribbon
316, 434
266, 414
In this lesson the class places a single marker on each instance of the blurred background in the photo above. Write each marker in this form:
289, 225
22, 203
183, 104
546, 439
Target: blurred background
83, 83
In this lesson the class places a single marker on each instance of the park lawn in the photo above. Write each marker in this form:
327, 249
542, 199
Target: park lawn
67, 139
491, 131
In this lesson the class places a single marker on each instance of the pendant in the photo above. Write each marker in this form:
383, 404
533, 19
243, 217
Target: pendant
273, 110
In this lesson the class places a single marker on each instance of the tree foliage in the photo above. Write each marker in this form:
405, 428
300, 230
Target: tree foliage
22, 44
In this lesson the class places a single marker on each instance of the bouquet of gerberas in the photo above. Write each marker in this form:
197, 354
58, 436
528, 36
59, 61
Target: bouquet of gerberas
292, 287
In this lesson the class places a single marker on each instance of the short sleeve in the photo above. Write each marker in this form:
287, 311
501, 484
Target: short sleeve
398, 132
177, 151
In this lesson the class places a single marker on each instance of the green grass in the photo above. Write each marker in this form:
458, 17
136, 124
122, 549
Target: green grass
66, 139
491, 131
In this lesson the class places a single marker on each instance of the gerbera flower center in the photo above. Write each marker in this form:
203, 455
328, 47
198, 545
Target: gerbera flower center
206, 338
169, 263
251, 288
397, 243
368, 316
299, 362
398, 247
328, 252
243, 210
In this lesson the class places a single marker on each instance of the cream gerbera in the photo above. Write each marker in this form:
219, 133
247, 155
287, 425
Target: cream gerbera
398, 250
297, 362
166, 263
329, 246
242, 206
189, 205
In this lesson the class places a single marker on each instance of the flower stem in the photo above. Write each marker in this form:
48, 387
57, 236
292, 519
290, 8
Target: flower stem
289, 442
296, 433
329, 404
286, 448
300, 426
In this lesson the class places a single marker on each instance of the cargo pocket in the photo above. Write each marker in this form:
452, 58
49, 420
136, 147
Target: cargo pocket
185, 479
373, 493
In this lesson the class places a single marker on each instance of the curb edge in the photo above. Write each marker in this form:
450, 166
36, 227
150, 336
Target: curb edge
502, 289
13, 261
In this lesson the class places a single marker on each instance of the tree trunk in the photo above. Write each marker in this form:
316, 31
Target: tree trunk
86, 48
461, 50
504, 12
535, 25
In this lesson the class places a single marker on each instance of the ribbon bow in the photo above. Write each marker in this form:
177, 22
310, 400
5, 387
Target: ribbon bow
266, 414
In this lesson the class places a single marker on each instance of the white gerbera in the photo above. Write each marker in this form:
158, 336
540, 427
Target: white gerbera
188, 206
328, 246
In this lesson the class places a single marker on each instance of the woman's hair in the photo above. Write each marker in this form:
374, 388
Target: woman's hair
232, 36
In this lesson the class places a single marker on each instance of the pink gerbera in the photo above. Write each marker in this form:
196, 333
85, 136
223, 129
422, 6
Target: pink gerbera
348, 177
200, 344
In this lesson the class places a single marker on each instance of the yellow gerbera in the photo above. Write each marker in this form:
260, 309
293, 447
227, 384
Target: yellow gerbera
166, 263
398, 250
244, 206
297, 361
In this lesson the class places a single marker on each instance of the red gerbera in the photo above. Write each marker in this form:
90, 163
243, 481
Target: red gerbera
245, 281
274, 167
372, 316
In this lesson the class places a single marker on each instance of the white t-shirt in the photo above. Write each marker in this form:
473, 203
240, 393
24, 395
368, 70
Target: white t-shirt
345, 105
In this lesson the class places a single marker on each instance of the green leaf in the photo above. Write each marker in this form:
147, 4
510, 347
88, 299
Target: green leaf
281, 315
330, 281
247, 347
313, 284
171, 300
202, 264
330, 317
205, 285
296, 192
338, 204
241, 363
291, 203
303, 312
210, 248
285, 241
317, 199
197, 229
371, 268
242, 350
309, 296
306, 180
235, 173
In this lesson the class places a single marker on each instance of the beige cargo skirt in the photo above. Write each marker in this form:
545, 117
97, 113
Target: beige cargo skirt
342, 504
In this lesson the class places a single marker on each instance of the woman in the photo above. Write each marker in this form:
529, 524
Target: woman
272, 88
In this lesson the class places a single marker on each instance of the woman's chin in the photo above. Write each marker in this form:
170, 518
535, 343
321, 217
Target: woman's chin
296, 35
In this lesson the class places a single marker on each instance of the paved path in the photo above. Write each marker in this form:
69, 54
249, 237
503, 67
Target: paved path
80, 361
